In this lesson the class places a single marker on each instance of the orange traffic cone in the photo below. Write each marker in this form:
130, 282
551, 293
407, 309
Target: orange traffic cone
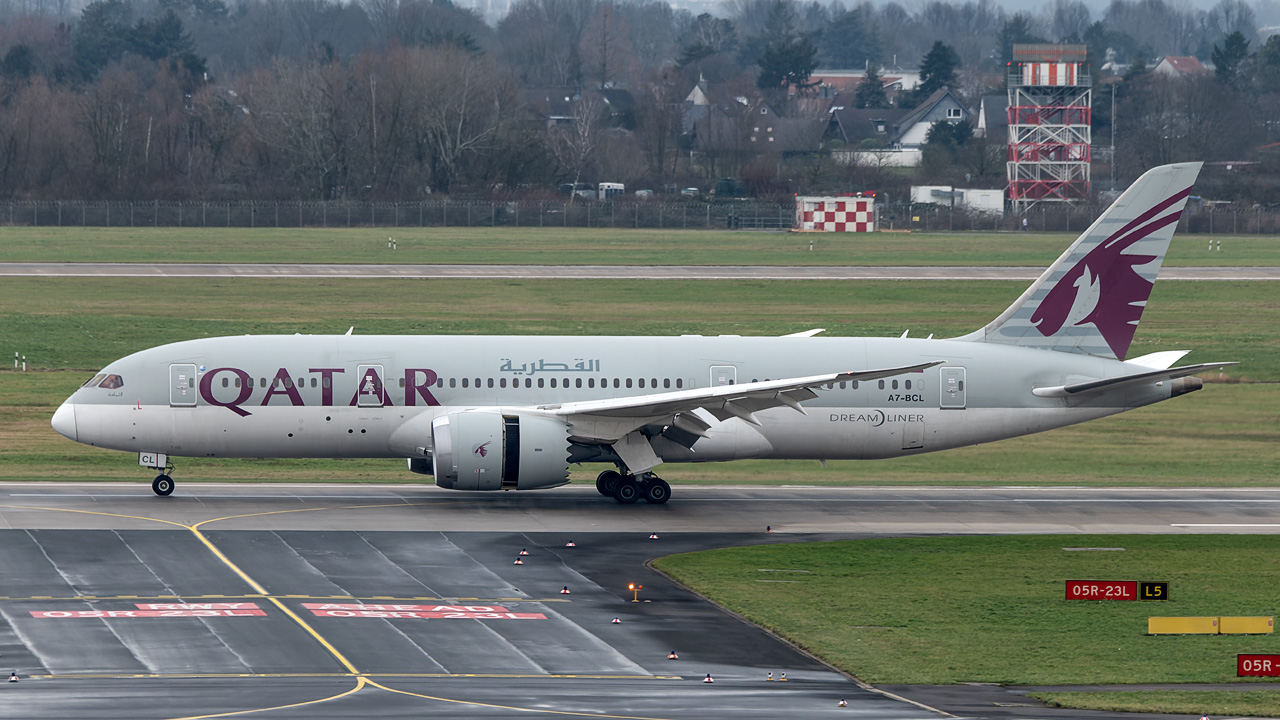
770, 678
518, 562
523, 551
672, 655
564, 590
783, 678
708, 679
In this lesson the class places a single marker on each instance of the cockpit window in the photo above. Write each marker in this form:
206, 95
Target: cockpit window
93, 380
112, 382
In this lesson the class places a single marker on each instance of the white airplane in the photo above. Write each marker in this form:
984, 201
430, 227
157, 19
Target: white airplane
513, 413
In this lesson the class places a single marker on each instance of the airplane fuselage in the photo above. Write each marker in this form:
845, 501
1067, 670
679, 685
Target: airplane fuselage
376, 396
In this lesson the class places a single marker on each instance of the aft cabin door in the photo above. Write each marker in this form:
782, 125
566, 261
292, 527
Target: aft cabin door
722, 375
182, 385
952, 388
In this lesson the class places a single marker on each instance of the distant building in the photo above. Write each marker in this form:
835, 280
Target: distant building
1180, 66
896, 136
993, 117
844, 83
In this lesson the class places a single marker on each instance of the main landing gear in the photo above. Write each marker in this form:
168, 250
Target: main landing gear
627, 489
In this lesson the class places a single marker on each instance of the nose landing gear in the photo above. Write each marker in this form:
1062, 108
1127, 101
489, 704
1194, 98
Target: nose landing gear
163, 484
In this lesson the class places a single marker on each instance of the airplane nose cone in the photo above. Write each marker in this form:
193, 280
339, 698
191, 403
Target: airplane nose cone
64, 421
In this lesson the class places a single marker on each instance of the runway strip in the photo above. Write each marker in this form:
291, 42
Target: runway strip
584, 272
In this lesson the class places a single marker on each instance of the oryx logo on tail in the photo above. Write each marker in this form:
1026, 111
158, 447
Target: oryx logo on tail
1090, 299
1104, 287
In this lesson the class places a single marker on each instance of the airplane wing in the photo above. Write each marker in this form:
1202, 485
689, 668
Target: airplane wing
1080, 388
723, 402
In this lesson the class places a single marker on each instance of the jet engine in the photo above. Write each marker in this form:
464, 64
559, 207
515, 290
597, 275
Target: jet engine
492, 451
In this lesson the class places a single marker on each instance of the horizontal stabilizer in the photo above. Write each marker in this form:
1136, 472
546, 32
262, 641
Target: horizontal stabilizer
1077, 389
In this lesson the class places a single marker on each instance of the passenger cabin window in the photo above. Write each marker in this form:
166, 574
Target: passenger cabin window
502, 382
540, 382
553, 382
490, 383
895, 384
464, 382
679, 383
881, 384
666, 382
907, 385
115, 382
577, 382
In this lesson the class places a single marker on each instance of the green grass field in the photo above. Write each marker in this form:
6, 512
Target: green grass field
1223, 435
582, 246
992, 609
1230, 703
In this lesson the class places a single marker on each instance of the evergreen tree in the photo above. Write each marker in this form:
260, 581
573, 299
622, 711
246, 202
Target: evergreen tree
870, 92
1227, 59
1015, 31
937, 69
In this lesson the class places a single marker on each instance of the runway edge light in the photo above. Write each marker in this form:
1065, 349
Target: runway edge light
564, 590
708, 679
672, 655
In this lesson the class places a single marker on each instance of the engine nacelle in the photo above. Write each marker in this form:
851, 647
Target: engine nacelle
492, 451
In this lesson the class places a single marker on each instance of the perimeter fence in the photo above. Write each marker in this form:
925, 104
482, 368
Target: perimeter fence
585, 214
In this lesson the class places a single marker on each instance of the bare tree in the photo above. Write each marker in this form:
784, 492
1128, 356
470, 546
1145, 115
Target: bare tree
462, 103
606, 46
302, 114
573, 143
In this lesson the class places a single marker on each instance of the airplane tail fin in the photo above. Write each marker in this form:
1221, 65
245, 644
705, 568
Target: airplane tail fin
1089, 301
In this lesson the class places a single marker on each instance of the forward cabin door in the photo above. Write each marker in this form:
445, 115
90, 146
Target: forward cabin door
952, 388
182, 385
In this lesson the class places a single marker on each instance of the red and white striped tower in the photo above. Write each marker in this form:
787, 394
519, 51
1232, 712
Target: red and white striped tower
1050, 116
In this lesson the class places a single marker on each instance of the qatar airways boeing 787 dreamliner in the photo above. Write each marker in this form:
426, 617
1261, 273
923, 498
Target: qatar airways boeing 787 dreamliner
513, 413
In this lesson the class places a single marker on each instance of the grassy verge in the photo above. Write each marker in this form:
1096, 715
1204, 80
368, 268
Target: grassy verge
1249, 703
580, 246
992, 609
85, 323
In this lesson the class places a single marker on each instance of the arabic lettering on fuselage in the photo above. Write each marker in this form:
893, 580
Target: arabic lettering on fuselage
542, 366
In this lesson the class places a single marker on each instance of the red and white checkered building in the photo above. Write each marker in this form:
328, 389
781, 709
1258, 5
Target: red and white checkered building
835, 214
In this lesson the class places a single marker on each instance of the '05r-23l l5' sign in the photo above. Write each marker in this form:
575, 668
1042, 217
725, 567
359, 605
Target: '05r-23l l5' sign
1117, 590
